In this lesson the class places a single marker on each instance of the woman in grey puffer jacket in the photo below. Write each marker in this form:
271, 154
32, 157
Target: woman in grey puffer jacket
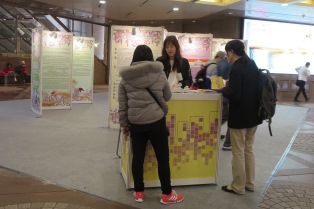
140, 115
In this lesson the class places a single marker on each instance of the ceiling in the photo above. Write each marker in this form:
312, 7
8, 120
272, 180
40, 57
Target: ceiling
160, 11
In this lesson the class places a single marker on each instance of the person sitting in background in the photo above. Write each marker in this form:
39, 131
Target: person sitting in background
22, 72
9, 69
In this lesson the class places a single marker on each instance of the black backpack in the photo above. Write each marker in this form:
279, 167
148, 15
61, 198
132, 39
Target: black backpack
267, 96
201, 81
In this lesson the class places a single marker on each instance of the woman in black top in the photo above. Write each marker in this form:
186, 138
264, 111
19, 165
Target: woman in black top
176, 67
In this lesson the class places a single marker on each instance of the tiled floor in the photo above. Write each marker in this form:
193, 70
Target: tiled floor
290, 187
19, 191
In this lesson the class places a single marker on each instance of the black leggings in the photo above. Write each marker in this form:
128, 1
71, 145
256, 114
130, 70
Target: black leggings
156, 133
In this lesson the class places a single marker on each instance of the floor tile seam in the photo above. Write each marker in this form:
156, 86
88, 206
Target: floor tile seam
294, 149
37, 192
291, 183
28, 176
300, 160
307, 131
82, 193
294, 172
70, 205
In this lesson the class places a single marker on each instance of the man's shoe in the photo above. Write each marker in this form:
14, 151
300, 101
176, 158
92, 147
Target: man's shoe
307, 99
225, 188
173, 197
226, 148
250, 190
296, 100
139, 196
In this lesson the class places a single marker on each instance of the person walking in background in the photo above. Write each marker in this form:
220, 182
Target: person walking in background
242, 92
303, 73
141, 115
176, 67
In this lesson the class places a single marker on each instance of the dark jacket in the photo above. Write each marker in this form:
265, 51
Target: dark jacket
242, 91
185, 70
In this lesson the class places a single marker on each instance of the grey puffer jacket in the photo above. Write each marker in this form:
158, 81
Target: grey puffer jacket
136, 105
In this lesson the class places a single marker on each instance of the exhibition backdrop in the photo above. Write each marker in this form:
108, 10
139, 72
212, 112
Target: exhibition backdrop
196, 48
83, 70
56, 80
124, 40
56, 63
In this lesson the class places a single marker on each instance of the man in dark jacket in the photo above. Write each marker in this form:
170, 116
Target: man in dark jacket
242, 91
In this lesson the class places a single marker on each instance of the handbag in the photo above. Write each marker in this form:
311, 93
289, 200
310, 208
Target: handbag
154, 97
297, 83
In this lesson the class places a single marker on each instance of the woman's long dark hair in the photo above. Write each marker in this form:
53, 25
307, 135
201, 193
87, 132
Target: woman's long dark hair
177, 58
142, 53
237, 47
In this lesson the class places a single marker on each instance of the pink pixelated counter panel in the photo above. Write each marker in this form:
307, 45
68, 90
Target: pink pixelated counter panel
194, 126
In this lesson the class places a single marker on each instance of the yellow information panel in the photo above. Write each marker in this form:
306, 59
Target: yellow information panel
194, 121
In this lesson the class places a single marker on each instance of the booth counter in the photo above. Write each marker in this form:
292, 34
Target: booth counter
194, 121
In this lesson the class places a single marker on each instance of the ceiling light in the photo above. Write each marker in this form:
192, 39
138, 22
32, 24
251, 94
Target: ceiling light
20, 31
102, 2
175, 9
284, 4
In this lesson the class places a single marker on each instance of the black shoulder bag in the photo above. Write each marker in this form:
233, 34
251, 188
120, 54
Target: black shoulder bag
154, 97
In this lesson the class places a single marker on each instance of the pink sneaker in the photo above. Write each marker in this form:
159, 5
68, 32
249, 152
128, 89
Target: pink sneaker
173, 197
139, 196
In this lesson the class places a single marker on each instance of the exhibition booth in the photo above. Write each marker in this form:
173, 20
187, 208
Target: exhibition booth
194, 117
62, 74
194, 121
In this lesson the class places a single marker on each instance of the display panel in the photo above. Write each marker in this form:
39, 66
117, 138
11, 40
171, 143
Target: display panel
279, 47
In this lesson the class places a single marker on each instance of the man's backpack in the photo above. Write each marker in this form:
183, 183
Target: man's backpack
201, 82
267, 96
